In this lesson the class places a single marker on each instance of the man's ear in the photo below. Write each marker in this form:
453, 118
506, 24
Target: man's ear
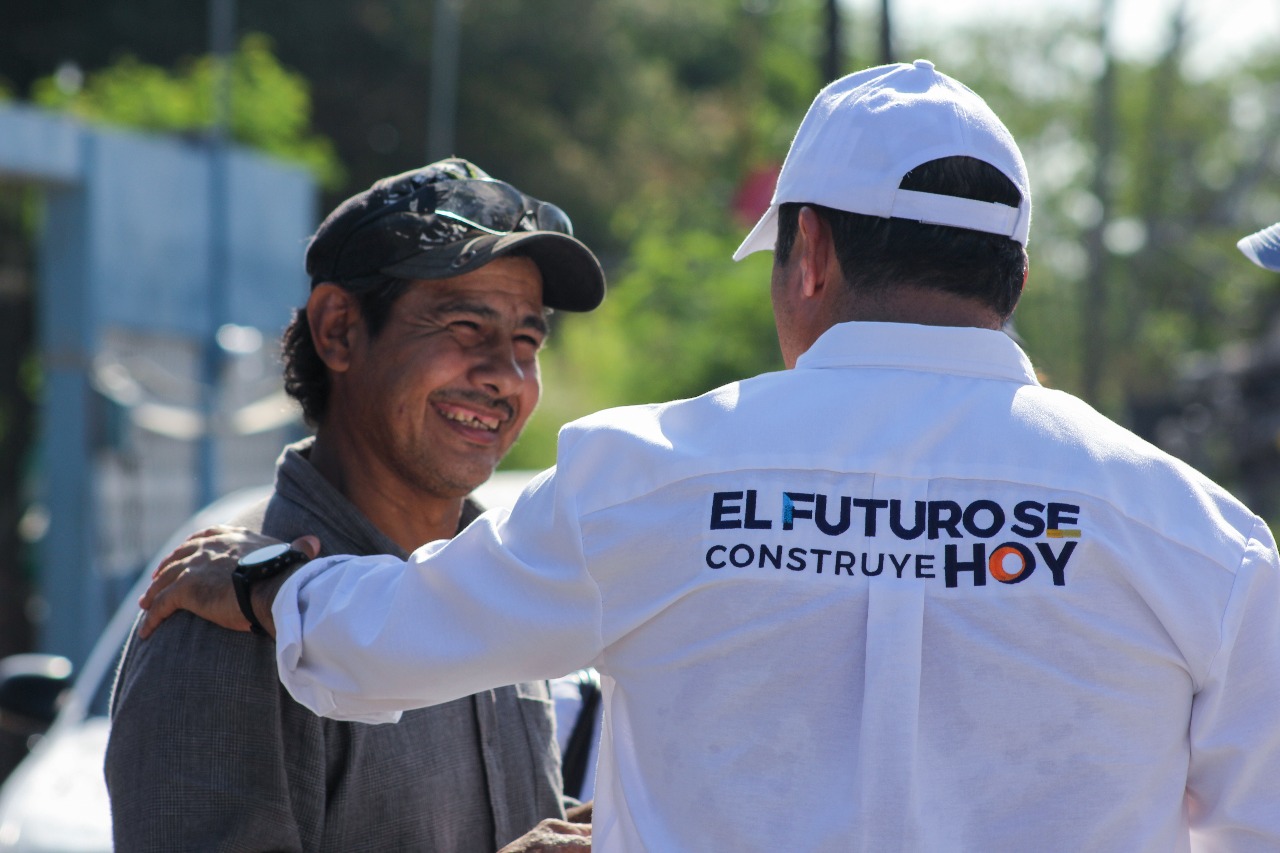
817, 255
334, 317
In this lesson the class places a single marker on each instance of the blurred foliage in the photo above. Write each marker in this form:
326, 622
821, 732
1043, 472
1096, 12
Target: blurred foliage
615, 109
270, 106
642, 118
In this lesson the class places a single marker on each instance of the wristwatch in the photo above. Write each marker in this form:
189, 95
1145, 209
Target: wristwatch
260, 565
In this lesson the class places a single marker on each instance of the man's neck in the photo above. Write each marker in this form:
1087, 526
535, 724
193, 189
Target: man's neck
407, 515
922, 306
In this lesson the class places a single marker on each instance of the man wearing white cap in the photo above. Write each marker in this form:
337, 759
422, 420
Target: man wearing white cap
897, 597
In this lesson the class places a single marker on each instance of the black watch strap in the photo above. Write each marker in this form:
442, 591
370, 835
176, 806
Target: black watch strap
244, 598
261, 565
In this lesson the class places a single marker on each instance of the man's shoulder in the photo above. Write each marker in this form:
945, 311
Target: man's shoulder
1062, 420
656, 423
254, 517
1095, 455
279, 516
185, 652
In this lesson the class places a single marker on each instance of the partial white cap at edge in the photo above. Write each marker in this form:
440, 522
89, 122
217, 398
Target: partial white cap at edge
762, 237
1262, 247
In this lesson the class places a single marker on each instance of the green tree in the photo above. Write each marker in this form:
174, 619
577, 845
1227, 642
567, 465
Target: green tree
270, 105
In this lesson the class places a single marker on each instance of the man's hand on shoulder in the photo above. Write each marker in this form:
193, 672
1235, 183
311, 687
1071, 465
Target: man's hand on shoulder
552, 834
197, 577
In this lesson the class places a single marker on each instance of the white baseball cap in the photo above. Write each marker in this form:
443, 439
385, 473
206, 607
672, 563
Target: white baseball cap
864, 132
1263, 247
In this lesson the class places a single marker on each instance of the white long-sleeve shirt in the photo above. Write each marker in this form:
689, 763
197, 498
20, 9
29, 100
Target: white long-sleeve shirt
898, 598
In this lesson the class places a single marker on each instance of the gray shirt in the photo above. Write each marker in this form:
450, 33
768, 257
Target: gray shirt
209, 752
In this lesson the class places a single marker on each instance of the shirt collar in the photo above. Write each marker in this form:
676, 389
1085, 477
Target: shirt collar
968, 351
299, 482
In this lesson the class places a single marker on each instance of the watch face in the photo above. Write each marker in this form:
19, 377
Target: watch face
264, 555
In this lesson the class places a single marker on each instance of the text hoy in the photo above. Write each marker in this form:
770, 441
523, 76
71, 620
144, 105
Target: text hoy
1008, 563
906, 520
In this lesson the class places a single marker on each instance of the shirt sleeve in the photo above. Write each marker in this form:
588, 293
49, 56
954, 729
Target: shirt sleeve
1233, 786
195, 757
509, 599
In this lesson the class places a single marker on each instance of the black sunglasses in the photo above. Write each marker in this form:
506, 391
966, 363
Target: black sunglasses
497, 207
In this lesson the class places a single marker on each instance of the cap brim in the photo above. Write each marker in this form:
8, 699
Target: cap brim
763, 237
572, 279
1263, 247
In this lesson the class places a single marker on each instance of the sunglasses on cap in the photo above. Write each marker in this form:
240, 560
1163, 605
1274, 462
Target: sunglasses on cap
483, 204
497, 207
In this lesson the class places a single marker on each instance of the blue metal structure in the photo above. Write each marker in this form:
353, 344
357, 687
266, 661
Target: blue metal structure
126, 244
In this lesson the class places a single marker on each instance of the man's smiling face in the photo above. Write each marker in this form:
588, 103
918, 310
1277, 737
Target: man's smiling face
445, 388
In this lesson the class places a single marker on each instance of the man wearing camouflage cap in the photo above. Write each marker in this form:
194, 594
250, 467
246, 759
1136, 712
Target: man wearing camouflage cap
416, 360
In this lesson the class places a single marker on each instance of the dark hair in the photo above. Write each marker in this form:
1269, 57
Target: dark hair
306, 379
878, 253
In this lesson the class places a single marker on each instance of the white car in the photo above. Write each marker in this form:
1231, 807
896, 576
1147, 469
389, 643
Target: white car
55, 801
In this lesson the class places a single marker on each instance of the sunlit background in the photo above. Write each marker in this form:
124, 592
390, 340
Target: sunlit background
139, 373
1220, 34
